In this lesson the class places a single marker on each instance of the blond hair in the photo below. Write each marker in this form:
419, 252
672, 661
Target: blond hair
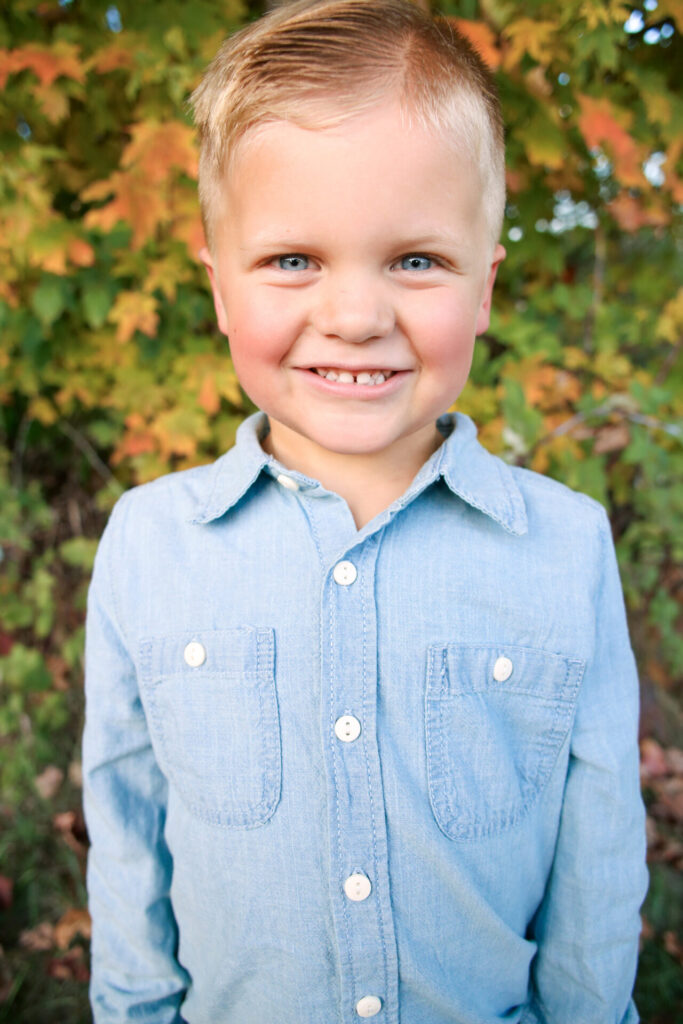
316, 63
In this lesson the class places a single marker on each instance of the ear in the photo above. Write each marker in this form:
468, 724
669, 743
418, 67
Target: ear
484, 314
221, 315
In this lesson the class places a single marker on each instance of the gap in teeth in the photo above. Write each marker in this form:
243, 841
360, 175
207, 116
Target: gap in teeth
346, 377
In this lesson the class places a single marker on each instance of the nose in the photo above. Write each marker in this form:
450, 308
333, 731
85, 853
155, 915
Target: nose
353, 308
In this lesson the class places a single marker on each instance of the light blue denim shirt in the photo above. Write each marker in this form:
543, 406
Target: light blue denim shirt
335, 773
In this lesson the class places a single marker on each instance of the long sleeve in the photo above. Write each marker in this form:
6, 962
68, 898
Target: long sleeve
588, 924
135, 974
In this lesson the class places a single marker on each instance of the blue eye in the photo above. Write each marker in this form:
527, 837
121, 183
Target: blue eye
293, 262
415, 262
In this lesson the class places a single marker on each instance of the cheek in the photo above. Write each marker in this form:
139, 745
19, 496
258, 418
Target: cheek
444, 334
257, 332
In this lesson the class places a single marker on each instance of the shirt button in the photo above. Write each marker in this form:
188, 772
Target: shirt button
344, 573
357, 887
194, 654
502, 669
368, 1006
347, 728
286, 481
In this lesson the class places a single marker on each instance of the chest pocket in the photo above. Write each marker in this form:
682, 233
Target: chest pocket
496, 720
212, 710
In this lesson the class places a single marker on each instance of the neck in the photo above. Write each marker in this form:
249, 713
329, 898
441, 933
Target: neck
370, 481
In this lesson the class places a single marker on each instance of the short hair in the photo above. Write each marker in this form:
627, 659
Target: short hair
316, 63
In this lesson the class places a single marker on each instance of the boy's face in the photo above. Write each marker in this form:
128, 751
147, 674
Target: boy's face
358, 250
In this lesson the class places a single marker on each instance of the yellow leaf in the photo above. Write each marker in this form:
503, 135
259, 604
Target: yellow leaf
532, 36
53, 101
544, 142
604, 12
670, 323
134, 311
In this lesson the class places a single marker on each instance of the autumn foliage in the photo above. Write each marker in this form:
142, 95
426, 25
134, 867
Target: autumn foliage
112, 370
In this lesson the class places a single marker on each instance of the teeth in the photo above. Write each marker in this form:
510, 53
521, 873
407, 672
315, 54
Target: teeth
346, 377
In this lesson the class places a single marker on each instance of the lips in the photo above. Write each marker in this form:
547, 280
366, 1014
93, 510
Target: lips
343, 376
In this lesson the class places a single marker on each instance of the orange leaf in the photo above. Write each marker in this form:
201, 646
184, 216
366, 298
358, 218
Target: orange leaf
631, 213
602, 124
134, 311
208, 395
81, 253
74, 922
157, 148
112, 57
46, 62
136, 200
482, 38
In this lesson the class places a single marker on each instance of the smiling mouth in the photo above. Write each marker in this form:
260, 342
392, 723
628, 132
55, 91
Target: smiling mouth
370, 377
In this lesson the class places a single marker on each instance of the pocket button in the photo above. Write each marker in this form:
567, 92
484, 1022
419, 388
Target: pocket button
194, 654
502, 669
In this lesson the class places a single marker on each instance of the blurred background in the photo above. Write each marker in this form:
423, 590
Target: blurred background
112, 372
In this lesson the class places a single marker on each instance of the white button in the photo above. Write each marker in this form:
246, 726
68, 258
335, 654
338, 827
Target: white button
194, 654
286, 481
344, 573
368, 1006
502, 670
347, 728
357, 887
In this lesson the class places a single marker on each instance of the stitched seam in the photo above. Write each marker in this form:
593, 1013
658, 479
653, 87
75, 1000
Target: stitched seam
344, 908
369, 783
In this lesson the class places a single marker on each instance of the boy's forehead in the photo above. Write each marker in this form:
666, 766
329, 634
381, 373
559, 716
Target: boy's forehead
364, 181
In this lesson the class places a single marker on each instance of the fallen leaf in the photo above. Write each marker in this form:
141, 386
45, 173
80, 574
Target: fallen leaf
71, 827
49, 781
653, 762
72, 923
70, 967
38, 939
674, 759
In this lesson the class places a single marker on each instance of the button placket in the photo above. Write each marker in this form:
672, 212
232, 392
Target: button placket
360, 900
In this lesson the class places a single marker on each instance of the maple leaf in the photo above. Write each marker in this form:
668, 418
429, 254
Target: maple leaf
482, 38
532, 36
136, 201
72, 923
604, 12
46, 62
632, 213
111, 58
604, 125
134, 311
158, 148
208, 397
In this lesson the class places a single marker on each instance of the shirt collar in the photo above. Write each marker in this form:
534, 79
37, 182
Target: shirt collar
480, 479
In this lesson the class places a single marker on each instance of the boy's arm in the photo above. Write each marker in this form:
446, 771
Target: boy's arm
135, 973
588, 924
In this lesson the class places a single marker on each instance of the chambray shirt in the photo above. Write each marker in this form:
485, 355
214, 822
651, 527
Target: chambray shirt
334, 773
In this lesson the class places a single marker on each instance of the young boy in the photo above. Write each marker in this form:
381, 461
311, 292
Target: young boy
361, 723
